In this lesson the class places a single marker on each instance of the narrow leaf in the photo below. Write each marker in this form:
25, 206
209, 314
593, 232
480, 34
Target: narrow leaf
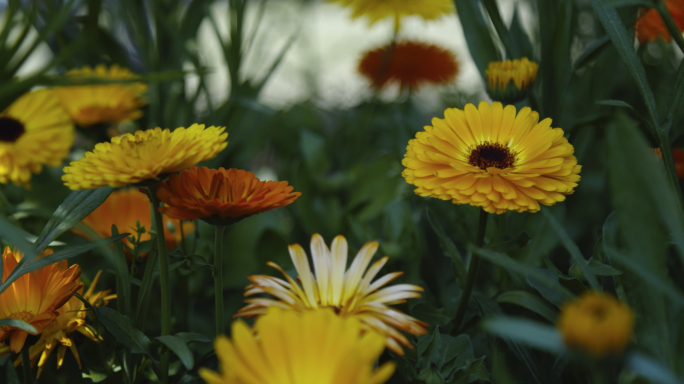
121, 327
192, 336
650, 369
529, 301
449, 250
480, 43
180, 348
529, 332
24, 326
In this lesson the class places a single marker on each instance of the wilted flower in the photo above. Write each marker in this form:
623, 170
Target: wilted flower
510, 81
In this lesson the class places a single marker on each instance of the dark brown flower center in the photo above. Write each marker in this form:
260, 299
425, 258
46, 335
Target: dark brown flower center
10, 129
489, 154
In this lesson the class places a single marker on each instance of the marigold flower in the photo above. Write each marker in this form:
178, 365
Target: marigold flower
71, 318
102, 103
650, 25
377, 10
510, 81
34, 131
410, 64
313, 346
126, 206
597, 323
36, 296
147, 155
351, 293
220, 196
492, 158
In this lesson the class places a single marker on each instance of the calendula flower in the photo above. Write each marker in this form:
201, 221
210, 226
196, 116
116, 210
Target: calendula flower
650, 25
35, 297
410, 64
597, 323
124, 208
351, 293
510, 81
147, 155
34, 131
102, 103
71, 318
290, 347
492, 158
376, 10
220, 196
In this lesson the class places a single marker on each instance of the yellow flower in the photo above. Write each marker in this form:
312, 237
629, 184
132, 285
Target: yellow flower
71, 318
150, 154
510, 81
34, 131
351, 294
377, 10
492, 158
102, 103
36, 296
310, 347
597, 323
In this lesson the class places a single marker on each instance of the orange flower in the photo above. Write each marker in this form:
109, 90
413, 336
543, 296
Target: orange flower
650, 25
36, 296
221, 196
124, 207
409, 63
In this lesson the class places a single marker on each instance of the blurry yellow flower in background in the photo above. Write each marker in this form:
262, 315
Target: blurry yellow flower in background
150, 154
34, 131
36, 296
350, 292
71, 318
376, 10
313, 346
510, 81
492, 158
597, 323
102, 103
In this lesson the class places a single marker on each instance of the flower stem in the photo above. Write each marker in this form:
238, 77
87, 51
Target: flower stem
218, 279
26, 364
472, 272
164, 282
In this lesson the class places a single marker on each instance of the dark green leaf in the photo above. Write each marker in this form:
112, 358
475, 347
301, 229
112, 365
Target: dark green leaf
12, 377
546, 283
449, 250
519, 35
473, 370
17, 237
124, 332
428, 313
508, 243
511, 46
601, 269
180, 348
191, 336
529, 301
529, 332
477, 35
18, 324
622, 104
123, 285
650, 369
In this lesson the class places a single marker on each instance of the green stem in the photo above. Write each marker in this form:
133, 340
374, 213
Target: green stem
218, 280
164, 282
472, 272
26, 364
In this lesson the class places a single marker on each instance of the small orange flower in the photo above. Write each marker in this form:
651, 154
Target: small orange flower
125, 207
650, 25
409, 63
36, 296
678, 156
221, 196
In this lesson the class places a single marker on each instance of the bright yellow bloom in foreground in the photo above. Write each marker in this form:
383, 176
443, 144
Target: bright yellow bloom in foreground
71, 318
150, 154
377, 10
492, 158
510, 81
34, 131
597, 323
309, 347
351, 293
102, 103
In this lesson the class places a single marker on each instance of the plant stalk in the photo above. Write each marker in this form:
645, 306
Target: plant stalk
218, 280
26, 364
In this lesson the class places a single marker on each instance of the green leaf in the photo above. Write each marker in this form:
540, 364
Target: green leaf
511, 46
428, 313
12, 377
650, 369
24, 326
473, 370
191, 336
17, 237
529, 332
529, 301
312, 146
545, 288
508, 243
449, 250
477, 35
121, 327
180, 348
123, 285
519, 35
622, 104
601, 269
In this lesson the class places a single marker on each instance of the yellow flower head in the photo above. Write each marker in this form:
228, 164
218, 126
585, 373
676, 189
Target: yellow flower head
377, 10
34, 131
150, 154
597, 323
309, 347
71, 318
102, 103
493, 158
36, 296
351, 293
510, 81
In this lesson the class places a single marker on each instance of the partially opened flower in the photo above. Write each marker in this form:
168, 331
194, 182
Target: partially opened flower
290, 347
221, 196
102, 103
146, 156
410, 64
376, 10
492, 158
34, 131
124, 208
351, 293
510, 81
597, 323
650, 26
36, 296
71, 318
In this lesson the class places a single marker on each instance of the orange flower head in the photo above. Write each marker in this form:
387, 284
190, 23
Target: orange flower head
123, 208
650, 25
221, 196
36, 296
410, 64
